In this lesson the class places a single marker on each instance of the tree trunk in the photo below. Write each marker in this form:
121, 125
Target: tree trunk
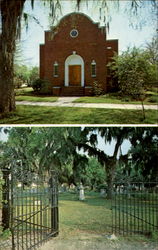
10, 18
110, 170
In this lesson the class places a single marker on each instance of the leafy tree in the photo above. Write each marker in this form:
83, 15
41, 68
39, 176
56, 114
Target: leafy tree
144, 153
108, 162
95, 174
152, 50
134, 72
22, 75
11, 12
34, 74
137, 136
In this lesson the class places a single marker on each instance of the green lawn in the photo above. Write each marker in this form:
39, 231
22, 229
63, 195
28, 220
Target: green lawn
63, 115
153, 99
36, 98
87, 224
27, 94
93, 215
24, 91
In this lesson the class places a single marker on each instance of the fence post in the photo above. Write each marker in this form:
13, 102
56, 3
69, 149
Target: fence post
5, 200
54, 204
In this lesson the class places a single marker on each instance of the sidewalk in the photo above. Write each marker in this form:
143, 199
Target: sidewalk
68, 102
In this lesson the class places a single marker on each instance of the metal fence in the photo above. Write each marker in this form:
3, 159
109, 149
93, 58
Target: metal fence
29, 208
135, 208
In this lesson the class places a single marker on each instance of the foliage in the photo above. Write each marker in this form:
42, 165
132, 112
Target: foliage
94, 174
152, 50
41, 86
144, 154
37, 85
34, 74
22, 75
134, 72
97, 88
138, 64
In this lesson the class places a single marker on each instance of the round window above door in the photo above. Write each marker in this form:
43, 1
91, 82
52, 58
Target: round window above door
74, 33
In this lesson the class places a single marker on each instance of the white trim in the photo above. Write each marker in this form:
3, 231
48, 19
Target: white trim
72, 32
56, 65
93, 63
74, 60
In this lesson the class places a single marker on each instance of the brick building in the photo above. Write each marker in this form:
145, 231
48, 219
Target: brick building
75, 54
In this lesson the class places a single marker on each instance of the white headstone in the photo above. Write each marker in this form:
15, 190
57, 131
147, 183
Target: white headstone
81, 193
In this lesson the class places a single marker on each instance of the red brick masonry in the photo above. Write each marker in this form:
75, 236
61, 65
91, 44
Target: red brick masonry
90, 44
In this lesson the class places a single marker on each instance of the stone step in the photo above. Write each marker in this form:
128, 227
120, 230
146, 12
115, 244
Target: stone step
72, 91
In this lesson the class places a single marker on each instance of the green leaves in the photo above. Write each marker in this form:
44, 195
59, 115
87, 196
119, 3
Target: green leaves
134, 72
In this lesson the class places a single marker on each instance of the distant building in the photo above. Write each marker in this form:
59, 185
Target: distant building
75, 55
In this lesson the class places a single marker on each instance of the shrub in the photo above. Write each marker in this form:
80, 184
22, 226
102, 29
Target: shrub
37, 84
153, 99
97, 88
42, 86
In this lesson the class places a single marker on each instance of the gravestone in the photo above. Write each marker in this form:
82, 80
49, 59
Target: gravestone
102, 192
81, 193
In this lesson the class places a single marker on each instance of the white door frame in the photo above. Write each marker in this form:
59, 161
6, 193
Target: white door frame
74, 60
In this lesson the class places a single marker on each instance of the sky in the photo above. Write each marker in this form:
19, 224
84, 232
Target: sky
120, 25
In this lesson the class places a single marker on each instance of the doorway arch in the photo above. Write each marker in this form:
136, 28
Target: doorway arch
75, 64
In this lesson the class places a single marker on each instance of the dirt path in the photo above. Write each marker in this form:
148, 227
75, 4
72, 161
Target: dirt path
97, 242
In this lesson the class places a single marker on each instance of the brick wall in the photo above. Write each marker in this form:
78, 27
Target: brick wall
90, 44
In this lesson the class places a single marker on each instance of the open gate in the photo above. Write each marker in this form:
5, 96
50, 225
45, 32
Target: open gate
135, 208
33, 209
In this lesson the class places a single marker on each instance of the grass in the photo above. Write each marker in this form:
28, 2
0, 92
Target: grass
116, 99
86, 224
24, 91
91, 216
36, 98
64, 115
27, 94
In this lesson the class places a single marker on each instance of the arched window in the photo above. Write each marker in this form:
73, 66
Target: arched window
56, 69
93, 68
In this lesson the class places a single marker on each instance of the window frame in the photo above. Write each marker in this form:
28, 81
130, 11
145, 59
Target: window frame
75, 31
93, 69
56, 69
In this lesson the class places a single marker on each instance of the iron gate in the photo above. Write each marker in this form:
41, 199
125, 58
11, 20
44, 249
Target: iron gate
135, 208
32, 207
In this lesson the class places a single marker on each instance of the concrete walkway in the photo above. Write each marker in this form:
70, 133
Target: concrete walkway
68, 102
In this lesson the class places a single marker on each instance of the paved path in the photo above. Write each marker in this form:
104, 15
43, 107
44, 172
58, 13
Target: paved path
68, 102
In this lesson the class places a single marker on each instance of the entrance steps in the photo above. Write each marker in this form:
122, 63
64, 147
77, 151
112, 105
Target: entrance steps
72, 91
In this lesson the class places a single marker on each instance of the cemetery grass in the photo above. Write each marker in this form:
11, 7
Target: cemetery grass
69, 115
87, 224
